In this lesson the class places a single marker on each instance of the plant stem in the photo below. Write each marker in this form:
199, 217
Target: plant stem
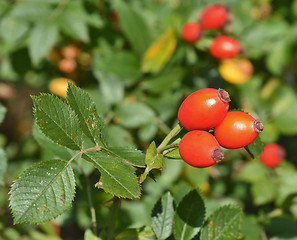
173, 145
167, 139
92, 209
110, 232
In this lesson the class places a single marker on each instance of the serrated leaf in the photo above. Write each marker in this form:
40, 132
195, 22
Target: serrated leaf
134, 27
159, 52
162, 216
42, 39
47, 144
57, 121
153, 160
128, 154
255, 148
42, 192
3, 163
2, 112
189, 216
117, 176
224, 224
85, 109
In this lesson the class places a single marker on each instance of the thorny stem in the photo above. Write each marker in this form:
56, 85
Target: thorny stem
167, 139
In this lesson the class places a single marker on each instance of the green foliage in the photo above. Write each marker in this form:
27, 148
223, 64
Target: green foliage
117, 175
57, 121
153, 160
162, 216
86, 112
136, 69
224, 223
42, 192
189, 216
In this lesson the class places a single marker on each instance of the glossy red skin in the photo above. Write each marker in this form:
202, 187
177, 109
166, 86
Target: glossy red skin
214, 16
202, 110
224, 47
196, 148
272, 155
191, 32
237, 130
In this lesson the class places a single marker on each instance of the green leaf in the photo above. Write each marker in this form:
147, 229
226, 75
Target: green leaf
117, 175
3, 163
42, 39
133, 115
148, 131
47, 144
73, 21
189, 216
2, 112
111, 88
263, 191
159, 52
167, 79
253, 171
42, 192
13, 30
251, 229
57, 121
173, 153
143, 233
255, 148
134, 27
118, 136
129, 155
283, 227
153, 160
122, 65
85, 109
224, 224
89, 235
162, 216
31, 11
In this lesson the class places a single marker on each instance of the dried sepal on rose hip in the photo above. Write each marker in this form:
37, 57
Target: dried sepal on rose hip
204, 109
214, 16
224, 47
200, 149
238, 129
191, 32
272, 155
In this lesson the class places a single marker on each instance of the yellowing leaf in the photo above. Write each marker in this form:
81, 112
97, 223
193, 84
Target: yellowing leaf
159, 52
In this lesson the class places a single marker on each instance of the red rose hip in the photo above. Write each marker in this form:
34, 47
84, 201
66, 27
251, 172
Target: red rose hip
200, 149
224, 47
191, 32
272, 155
238, 129
214, 16
204, 109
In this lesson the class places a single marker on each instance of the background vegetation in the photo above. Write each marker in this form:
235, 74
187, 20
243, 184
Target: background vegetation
130, 57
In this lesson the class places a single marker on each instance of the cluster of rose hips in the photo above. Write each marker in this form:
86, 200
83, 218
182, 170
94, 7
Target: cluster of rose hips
213, 17
207, 109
